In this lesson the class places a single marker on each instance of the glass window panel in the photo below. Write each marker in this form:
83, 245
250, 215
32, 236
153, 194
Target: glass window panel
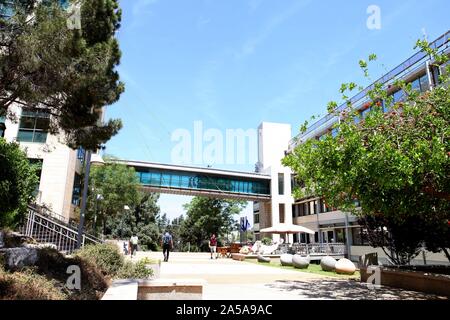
165, 180
42, 123
398, 96
145, 177
25, 136
40, 136
415, 85
424, 85
27, 123
281, 183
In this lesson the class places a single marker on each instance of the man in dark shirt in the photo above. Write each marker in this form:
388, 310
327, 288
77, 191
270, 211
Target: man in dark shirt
167, 244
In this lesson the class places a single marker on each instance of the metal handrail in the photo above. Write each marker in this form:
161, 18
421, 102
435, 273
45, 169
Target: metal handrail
45, 229
59, 219
319, 248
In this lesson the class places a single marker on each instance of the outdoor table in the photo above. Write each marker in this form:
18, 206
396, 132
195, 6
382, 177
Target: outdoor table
224, 252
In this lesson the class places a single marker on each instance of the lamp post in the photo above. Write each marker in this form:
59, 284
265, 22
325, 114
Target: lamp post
84, 199
98, 198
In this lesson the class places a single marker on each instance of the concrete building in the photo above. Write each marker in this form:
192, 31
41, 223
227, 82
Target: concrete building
59, 181
334, 226
273, 141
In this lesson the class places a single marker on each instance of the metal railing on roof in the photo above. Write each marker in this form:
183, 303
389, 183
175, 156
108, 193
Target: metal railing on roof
402, 68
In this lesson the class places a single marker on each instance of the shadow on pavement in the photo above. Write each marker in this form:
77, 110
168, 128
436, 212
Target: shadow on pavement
348, 290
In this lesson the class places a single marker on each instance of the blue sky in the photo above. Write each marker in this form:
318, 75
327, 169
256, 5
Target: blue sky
235, 63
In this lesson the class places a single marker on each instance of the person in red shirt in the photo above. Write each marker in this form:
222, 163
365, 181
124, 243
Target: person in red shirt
213, 245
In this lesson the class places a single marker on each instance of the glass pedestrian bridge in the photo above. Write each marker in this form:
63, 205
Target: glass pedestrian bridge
194, 181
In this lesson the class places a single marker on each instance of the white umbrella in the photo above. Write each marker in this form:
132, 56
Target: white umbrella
286, 228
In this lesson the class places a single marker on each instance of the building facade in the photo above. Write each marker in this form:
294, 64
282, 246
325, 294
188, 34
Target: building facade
332, 225
60, 166
273, 141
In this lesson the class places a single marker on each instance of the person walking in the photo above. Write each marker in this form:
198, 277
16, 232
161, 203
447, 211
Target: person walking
134, 244
125, 248
167, 244
213, 245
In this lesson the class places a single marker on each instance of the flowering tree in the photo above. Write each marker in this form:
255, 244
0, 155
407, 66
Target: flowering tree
395, 161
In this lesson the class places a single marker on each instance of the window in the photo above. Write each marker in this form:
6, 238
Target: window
76, 192
281, 212
256, 218
6, 8
359, 237
363, 113
2, 126
80, 154
33, 126
340, 235
398, 96
334, 132
281, 183
312, 207
424, 84
37, 164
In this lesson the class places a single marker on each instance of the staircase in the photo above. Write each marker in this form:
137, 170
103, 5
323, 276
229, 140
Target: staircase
47, 227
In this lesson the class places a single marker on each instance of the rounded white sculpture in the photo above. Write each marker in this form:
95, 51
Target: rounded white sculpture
286, 259
345, 266
328, 263
263, 259
300, 262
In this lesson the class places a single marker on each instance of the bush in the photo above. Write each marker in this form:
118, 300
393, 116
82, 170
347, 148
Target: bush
266, 241
136, 270
54, 264
28, 285
17, 184
105, 256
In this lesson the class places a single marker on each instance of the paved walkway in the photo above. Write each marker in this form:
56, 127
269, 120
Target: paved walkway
228, 279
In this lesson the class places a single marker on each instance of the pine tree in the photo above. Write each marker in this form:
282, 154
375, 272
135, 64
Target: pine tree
69, 73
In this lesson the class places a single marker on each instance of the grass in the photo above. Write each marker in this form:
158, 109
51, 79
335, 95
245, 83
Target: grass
313, 268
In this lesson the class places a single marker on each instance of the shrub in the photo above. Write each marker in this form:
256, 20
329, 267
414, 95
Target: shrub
54, 265
105, 256
28, 285
136, 270
17, 184
266, 241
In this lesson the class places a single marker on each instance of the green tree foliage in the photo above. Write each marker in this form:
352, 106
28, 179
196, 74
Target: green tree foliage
141, 220
122, 209
396, 163
18, 180
69, 73
205, 216
118, 186
174, 228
